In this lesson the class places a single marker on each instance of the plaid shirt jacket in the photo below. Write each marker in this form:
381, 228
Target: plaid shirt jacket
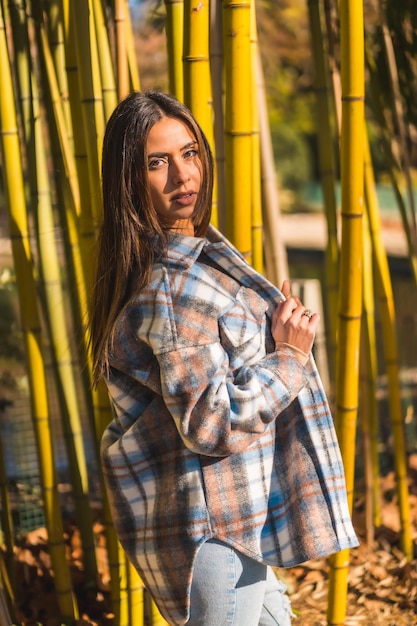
215, 434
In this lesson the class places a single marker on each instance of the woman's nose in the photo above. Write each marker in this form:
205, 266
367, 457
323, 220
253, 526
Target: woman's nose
180, 173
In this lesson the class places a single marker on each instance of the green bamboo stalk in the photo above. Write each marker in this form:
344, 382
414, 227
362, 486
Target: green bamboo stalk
386, 303
326, 136
238, 123
13, 177
108, 82
350, 299
175, 38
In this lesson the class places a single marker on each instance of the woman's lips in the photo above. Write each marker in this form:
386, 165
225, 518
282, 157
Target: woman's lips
184, 199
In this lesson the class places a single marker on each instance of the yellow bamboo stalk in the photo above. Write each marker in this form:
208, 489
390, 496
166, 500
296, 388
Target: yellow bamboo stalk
350, 299
175, 38
369, 405
326, 136
136, 596
13, 177
123, 82
83, 30
61, 124
196, 72
61, 344
83, 232
17, 12
216, 73
276, 262
131, 53
386, 302
56, 45
238, 123
121, 602
257, 225
108, 82
197, 84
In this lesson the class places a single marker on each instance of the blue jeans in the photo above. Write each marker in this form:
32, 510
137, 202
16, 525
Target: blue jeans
230, 589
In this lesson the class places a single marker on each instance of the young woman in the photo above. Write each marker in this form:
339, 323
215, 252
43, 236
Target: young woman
221, 460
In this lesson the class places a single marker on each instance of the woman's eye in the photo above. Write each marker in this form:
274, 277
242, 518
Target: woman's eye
191, 153
155, 163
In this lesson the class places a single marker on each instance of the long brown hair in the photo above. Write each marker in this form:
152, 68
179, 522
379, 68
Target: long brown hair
130, 234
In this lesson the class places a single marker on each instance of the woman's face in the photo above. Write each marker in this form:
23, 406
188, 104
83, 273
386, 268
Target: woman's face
174, 168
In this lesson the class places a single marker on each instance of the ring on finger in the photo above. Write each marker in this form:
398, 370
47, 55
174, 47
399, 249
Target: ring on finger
308, 313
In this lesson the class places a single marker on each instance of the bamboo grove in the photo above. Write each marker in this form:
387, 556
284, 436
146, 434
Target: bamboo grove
64, 66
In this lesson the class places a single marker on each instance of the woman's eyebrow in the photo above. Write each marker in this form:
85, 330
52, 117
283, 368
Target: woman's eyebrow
162, 154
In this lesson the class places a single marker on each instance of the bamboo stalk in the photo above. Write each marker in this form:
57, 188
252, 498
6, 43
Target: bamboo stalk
130, 51
108, 82
216, 74
62, 368
83, 29
256, 216
386, 303
276, 262
123, 81
136, 596
393, 165
326, 136
238, 123
368, 405
175, 39
13, 175
350, 299
196, 66
197, 78
56, 46
398, 111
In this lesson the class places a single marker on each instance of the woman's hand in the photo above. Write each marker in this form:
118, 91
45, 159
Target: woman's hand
293, 323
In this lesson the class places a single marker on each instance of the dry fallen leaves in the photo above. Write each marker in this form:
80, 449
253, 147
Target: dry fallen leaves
382, 584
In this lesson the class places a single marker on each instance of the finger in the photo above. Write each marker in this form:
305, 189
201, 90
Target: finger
286, 288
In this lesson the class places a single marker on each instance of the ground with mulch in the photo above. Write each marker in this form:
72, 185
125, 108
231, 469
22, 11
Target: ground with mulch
382, 583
